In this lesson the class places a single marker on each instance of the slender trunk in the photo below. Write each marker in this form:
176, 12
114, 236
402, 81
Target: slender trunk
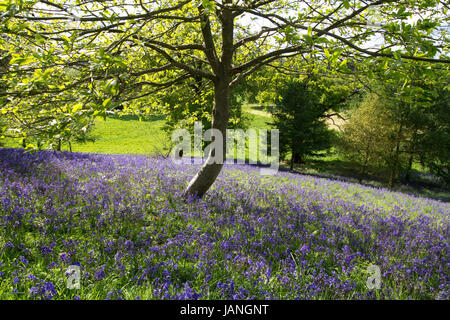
408, 170
292, 154
203, 180
394, 168
411, 156
363, 171
59, 144
298, 158
366, 161
70, 146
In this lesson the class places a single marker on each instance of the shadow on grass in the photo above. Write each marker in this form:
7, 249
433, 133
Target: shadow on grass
420, 184
258, 108
28, 162
132, 117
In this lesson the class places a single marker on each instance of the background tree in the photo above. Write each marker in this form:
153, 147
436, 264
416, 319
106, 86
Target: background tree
434, 143
298, 115
4, 65
124, 52
412, 94
366, 138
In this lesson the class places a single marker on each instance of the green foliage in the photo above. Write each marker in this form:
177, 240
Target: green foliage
434, 143
194, 102
403, 123
417, 102
367, 136
298, 115
62, 58
165, 57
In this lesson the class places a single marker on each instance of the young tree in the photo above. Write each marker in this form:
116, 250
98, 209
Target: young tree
366, 138
124, 51
299, 117
415, 100
434, 140
4, 65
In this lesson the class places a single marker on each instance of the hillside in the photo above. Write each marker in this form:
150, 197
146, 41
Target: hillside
131, 135
121, 218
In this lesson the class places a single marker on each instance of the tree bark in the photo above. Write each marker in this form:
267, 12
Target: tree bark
408, 170
203, 180
395, 165
411, 156
366, 161
292, 155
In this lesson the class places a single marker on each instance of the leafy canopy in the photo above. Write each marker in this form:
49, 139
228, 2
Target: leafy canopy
70, 61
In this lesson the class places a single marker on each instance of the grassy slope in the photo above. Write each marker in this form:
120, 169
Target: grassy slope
252, 237
128, 135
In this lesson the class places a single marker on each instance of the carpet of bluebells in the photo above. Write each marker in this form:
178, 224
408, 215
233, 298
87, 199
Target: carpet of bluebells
123, 221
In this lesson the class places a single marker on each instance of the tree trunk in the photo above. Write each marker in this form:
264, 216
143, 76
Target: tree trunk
411, 156
363, 171
292, 155
408, 170
366, 162
394, 168
203, 180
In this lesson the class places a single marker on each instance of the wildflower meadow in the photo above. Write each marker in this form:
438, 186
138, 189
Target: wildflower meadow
122, 220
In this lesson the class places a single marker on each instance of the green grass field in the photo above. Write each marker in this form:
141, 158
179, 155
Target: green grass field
126, 135
129, 135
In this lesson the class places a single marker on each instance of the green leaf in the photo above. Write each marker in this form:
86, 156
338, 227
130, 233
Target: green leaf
77, 107
21, 60
106, 102
120, 63
39, 39
397, 55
